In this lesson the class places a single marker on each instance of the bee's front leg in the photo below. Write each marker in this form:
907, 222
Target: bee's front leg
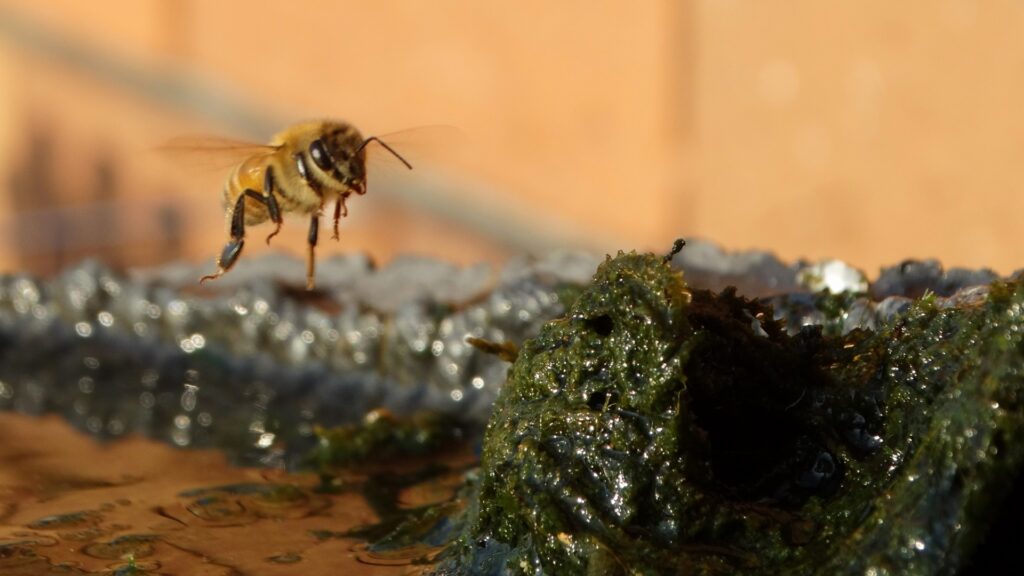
340, 211
314, 230
233, 248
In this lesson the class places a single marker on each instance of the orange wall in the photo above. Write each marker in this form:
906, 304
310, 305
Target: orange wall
871, 131
868, 131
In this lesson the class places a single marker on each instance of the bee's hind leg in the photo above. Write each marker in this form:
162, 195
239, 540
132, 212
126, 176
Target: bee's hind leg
233, 248
311, 258
314, 231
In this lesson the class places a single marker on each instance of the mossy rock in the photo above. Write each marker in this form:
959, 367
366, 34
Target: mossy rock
658, 430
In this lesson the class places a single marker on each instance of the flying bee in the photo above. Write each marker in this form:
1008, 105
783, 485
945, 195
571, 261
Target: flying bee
303, 168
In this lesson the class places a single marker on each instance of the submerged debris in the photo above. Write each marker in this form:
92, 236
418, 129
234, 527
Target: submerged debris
507, 350
382, 437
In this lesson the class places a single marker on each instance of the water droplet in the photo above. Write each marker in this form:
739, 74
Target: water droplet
286, 558
128, 546
115, 427
822, 470
188, 399
265, 440
65, 521
216, 509
94, 424
21, 557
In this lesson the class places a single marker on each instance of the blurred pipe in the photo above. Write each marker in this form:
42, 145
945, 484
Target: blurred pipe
161, 85
513, 227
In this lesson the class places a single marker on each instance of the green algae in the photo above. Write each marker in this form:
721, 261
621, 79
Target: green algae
658, 430
382, 437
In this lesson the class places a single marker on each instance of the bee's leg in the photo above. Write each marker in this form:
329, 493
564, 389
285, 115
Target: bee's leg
340, 211
271, 201
233, 248
314, 229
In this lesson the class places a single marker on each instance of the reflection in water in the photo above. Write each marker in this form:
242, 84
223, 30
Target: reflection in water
75, 506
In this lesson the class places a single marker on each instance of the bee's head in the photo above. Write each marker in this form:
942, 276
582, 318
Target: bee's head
338, 150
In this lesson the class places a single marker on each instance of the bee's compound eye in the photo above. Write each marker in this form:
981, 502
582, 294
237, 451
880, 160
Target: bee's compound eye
319, 154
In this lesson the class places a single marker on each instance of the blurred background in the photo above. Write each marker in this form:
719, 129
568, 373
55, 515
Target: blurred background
869, 131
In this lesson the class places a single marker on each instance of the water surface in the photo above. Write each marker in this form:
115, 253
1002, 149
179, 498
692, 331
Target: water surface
72, 505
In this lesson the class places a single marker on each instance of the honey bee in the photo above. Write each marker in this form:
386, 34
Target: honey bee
305, 167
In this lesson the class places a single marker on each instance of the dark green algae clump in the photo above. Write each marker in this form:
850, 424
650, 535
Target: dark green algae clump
658, 430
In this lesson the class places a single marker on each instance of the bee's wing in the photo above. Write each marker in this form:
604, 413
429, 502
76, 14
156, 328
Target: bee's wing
210, 153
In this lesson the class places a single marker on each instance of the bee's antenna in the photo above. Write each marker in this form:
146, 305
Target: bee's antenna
386, 147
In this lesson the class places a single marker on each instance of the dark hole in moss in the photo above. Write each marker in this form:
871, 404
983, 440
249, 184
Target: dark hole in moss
602, 400
744, 392
602, 325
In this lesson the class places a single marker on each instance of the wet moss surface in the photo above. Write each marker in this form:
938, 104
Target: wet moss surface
659, 430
